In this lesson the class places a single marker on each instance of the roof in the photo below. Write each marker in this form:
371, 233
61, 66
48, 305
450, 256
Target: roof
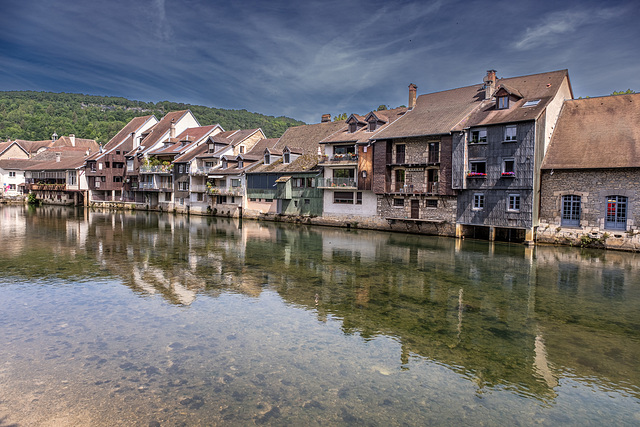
81, 143
543, 87
70, 158
33, 146
4, 146
440, 113
307, 139
15, 164
190, 155
363, 134
183, 141
159, 130
125, 133
596, 133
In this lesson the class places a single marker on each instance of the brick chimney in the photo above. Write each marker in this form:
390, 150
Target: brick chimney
326, 118
72, 137
489, 84
412, 96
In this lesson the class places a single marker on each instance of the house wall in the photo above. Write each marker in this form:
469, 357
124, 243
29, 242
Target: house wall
10, 184
494, 186
440, 220
593, 186
345, 211
14, 152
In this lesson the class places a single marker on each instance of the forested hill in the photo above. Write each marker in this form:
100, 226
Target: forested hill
37, 115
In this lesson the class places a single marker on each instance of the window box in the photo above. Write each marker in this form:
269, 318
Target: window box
476, 175
508, 174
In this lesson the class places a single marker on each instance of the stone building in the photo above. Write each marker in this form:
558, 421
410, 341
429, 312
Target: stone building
591, 175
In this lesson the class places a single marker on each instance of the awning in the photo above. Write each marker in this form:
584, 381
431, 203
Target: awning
283, 179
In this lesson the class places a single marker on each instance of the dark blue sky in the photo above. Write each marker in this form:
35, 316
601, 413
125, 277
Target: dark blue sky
303, 59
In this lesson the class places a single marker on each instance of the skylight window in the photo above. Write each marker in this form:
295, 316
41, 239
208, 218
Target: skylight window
531, 103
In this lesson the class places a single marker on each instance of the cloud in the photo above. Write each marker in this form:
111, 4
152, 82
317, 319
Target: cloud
557, 24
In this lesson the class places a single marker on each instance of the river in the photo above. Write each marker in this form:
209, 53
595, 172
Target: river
147, 319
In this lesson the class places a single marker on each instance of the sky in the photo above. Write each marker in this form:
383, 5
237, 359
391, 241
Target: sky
302, 59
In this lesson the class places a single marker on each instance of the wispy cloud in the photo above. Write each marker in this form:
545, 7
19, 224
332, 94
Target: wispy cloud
556, 24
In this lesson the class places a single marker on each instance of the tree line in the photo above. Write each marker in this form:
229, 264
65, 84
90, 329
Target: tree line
36, 116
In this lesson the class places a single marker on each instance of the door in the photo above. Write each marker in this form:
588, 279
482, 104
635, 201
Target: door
415, 209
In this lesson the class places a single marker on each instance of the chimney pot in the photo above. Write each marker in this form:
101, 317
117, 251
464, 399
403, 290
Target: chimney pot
489, 84
412, 96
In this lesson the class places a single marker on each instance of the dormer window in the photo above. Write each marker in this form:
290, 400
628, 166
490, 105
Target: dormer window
287, 157
212, 148
240, 164
242, 149
353, 126
503, 102
225, 164
372, 126
267, 159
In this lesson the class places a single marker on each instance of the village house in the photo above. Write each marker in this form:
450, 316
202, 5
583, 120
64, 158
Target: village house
226, 195
143, 188
105, 170
347, 161
285, 180
57, 176
498, 151
591, 175
412, 163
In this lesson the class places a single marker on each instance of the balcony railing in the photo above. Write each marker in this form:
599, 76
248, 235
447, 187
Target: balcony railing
337, 183
198, 188
225, 191
202, 171
48, 187
348, 157
429, 188
156, 169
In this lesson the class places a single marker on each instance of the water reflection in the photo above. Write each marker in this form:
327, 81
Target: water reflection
532, 321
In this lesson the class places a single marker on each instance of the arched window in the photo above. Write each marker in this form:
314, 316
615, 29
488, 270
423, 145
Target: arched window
570, 210
616, 217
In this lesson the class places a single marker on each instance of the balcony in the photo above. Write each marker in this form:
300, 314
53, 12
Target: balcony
202, 170
198, 188
225, 191
47, 187
339, 159
166, 169
337, 183
430, 188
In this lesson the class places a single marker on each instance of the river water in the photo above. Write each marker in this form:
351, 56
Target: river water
139, 318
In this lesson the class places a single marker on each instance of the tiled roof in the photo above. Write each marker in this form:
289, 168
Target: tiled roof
155, 133
15, 164
190, 155
133, 125
442, 112
33, 146
82, 143
4, 146
185, 140
363, 134
305, 137
596, 133
70, 158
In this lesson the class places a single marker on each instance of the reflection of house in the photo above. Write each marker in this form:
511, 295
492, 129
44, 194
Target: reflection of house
498, 151
591, 172
294, 162
348, 168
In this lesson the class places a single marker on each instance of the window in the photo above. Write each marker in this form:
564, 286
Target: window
359, 198
12, 174
199, 197
117, 152
183, 186
181, 169
344, 149
267, 159
400, 153
478, 136
478, 168
531, 103
129, 166
309, 182
208, 164
510, 133
616, 212
513, 204
508, 167
117, 179
503, 102
478, 201
235, 183
344, 173
107, 165
287, 157
100, 166
71, 177
353, 126
242, 149
307, 201
398, 203
225, 164
240, 164
373, 125
434, 152
570, 211
431, 203
343, 197
167, 197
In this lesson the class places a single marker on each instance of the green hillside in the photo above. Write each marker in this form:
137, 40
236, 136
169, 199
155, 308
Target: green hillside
37, 115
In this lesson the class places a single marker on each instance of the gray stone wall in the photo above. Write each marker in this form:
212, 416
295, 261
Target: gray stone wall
593, 187
443, 216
